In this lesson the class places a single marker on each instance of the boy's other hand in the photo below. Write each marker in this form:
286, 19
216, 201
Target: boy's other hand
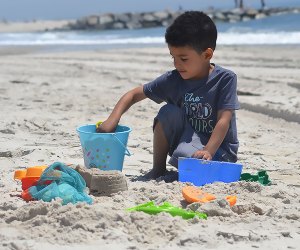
106, 127
202, 154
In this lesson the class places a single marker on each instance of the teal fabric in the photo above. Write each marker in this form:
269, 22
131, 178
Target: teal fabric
60, 181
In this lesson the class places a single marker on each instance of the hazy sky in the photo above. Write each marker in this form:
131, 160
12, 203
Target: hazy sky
21, 10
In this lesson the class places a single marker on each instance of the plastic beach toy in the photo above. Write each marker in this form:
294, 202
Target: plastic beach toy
59, 181
29, 176
28, 182
201, 172
262, 177
105, 151
98, 124
35, 171
194, 194
151, 208
20, 174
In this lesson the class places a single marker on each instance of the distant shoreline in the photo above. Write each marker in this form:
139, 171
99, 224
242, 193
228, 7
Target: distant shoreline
33, 26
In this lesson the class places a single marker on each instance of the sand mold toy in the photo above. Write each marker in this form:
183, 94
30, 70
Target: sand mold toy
29, 176
262, 177
34, 171
194, 194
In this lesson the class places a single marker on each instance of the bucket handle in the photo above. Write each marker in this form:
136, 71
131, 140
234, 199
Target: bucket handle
126, 149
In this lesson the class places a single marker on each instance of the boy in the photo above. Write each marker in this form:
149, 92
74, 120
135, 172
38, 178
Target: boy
199, 117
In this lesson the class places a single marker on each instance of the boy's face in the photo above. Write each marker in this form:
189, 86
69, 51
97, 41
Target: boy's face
189, 63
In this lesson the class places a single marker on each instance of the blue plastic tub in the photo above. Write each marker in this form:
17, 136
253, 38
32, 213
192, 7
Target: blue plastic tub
201, 172
105, 151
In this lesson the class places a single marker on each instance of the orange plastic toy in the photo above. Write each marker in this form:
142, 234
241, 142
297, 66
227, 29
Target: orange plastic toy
26, 195
194, 194
29, 176
28, 182
20, 174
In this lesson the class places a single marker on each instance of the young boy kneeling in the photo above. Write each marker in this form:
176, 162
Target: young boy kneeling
199, 117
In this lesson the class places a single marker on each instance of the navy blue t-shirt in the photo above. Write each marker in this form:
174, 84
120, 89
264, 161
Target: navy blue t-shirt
201, 100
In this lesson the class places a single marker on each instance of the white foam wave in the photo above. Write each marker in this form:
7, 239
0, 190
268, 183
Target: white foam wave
231, 38
225, 38
83, 41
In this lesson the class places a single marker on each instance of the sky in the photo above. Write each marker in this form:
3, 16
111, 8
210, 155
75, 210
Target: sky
27, 10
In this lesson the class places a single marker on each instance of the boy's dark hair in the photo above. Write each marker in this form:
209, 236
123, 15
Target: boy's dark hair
192, 28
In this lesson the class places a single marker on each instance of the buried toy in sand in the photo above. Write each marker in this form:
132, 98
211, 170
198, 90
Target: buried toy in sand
262, 177
194, 194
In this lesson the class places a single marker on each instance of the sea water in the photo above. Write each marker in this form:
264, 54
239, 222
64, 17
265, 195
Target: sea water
277, 29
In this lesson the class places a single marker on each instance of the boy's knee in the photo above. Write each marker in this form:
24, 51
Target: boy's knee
170, 114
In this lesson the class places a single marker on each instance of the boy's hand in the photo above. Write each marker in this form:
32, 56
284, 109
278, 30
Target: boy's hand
202, 154
131, 97
106, 127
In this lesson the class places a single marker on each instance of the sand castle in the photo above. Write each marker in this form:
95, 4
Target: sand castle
103, 182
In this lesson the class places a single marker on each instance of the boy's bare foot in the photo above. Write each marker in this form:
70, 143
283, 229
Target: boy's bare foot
153, 174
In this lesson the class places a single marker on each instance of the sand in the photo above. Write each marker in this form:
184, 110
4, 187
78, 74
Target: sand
45, 96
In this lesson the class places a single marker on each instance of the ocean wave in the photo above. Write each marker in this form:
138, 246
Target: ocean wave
231, 38
224, 38
82, 41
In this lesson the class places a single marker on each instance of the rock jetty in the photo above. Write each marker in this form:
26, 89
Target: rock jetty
164, 18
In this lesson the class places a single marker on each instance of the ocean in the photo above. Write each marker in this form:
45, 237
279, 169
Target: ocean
277, 30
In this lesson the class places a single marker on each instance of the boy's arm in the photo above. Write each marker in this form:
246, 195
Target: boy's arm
126, 101
217, 136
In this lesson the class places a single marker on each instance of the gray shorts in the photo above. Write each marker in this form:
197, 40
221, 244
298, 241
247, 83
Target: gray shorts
183, 140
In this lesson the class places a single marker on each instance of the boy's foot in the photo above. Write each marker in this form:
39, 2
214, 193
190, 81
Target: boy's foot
154, 174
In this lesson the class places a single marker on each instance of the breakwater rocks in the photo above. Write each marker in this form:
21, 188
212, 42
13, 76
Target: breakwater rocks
164, 18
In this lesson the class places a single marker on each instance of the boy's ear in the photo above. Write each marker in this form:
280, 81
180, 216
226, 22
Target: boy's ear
208, 53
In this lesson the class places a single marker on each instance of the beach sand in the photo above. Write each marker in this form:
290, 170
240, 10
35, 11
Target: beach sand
45, 96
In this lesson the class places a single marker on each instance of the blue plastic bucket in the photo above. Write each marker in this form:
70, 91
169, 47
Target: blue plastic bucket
201, 172
105, 151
